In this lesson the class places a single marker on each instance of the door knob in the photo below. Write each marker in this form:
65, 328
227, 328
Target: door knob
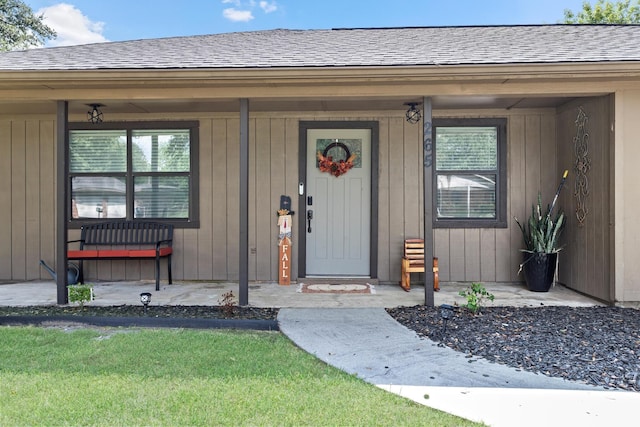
309, 218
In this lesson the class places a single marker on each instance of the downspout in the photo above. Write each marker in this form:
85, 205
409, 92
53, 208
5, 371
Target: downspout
427, 123
243, 271
62, 148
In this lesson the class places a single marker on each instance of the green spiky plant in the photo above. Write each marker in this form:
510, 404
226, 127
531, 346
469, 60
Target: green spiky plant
541, 234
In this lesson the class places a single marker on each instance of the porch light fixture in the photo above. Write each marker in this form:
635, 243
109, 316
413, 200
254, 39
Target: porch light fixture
94, 115
413, 114
145, 299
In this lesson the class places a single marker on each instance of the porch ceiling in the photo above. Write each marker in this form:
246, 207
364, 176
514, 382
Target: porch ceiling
146, 106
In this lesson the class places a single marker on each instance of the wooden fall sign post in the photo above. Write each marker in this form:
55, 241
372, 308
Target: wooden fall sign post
284, 243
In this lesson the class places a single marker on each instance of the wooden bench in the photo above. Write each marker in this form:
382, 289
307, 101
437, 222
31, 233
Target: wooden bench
413, 262
125, 240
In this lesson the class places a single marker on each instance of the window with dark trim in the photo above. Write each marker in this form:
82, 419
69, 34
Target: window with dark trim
469, 185
134, 170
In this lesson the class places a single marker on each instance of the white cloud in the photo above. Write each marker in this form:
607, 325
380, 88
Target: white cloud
268, 7
236, 15
71, 25
242, 10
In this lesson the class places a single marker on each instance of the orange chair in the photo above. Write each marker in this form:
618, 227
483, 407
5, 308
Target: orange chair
413, 262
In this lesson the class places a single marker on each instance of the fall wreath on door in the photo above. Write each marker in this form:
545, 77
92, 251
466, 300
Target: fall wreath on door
335, 167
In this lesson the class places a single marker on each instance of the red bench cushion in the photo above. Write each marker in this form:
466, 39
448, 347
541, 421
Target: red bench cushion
148, 253
118, 253
113, 253
77, 254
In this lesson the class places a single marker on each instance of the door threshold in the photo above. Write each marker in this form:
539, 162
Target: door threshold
350, 280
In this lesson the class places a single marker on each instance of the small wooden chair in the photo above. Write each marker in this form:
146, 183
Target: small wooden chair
413, 262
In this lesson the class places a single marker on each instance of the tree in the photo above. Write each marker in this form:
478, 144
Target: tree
20, 28
605, 12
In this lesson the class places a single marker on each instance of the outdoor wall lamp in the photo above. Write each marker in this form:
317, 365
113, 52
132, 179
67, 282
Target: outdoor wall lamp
94, 115
145, 299
413, 114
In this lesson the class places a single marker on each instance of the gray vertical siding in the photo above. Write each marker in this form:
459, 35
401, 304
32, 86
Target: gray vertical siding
210, 252
585, 262
27, 195
493, 255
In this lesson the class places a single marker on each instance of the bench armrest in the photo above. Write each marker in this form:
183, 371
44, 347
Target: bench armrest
168, 242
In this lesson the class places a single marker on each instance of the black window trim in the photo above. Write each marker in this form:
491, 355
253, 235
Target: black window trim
501, 185
129, 126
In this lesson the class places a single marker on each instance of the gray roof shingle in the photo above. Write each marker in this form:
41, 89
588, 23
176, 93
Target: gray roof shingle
429, 46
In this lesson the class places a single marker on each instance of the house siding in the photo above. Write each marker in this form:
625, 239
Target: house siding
626, 203
585, 263
27, 196
493, 254
210, 252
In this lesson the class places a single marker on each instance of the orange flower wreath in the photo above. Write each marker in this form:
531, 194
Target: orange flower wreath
327, 164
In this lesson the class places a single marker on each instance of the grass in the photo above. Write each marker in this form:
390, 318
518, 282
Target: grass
120, 377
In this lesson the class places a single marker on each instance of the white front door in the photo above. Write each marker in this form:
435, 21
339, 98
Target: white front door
338, 208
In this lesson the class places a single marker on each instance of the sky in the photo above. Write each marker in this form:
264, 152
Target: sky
96, 21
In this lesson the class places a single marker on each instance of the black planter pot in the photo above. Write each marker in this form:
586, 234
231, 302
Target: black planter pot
539, 269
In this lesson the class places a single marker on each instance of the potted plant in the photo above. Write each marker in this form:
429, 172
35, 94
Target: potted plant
541, 235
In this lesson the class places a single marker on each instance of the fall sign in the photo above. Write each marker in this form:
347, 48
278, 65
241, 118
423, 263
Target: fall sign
284, 261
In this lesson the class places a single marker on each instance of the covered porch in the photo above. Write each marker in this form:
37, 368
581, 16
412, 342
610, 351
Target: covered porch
540, 132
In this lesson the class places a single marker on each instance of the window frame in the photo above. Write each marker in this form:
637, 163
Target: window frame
193, 221
500, 221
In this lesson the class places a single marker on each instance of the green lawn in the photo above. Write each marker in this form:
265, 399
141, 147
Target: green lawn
120, 377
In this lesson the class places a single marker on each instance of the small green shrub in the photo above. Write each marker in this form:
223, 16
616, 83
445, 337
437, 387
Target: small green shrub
80, 294
475, 295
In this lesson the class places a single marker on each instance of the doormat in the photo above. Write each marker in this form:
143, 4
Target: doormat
336, 288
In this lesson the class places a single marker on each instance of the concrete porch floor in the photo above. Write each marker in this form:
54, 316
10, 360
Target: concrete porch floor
273, 295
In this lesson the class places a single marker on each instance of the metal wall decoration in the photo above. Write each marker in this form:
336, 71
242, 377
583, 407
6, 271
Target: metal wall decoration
582, 165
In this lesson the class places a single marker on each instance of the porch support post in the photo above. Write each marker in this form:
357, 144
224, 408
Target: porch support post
62, 136
428, 202
244, 204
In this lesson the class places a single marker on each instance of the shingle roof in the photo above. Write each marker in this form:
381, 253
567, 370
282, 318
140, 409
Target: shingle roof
430, 46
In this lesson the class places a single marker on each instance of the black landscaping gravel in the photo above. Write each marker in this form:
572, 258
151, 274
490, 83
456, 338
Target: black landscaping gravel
593, 345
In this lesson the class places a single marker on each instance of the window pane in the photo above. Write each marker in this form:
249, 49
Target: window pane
466, 196
97, 151
161, 150
98, 197
161, 197
466, 148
